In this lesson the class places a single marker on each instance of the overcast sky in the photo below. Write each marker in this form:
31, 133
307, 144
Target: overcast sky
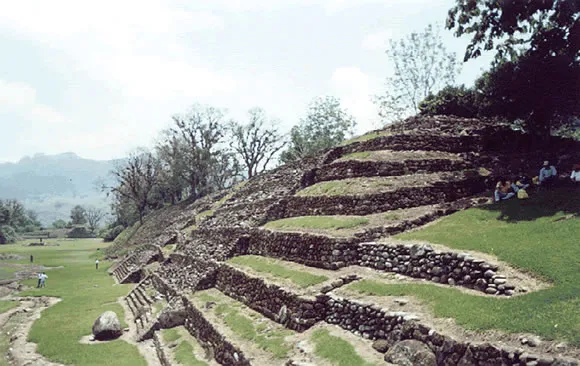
100, 78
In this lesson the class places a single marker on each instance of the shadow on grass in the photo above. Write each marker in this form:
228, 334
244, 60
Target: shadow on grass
564, 200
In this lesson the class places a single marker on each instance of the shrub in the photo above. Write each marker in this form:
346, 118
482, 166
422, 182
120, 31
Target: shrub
451, 100
80, 232
111, 234
7, 234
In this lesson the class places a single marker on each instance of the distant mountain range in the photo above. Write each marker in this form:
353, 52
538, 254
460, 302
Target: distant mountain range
52, 184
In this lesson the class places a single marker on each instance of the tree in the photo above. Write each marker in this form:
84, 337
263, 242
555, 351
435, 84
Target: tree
94, 216
59, 224
535, 75
78, 215
452, 100
325, 125
194, 147
136, 179
544, 28
422, 66
543, 92
256, 142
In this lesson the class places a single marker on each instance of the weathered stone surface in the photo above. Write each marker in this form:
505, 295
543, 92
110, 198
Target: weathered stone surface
381, 345
411, 353
107, 326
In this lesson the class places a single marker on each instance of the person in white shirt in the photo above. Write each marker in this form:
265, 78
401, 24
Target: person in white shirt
43, 278
97, 264
39, 276
548, 174
575, 176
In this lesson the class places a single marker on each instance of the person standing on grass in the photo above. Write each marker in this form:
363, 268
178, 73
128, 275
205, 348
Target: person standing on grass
43, 278
31, 259
97, 264
39, 276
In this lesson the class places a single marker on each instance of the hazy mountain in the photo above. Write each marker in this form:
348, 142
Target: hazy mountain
53, 184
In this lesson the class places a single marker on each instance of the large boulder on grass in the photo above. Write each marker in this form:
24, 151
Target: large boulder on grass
107, 326
411, 353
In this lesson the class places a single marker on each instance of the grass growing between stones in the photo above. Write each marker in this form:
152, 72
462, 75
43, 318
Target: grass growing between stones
266, 265
350, 186
336, 350
86, 293
184, 352
539, 235
361, 155
249, 324
318, 222
365, 137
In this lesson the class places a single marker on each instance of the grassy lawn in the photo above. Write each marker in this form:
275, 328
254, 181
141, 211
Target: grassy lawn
85, 293
267, 265
7, 272
7, 305
336, 350
318, 222
539, 235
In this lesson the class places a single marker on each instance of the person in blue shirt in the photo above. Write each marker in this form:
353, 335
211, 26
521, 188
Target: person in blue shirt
548, 174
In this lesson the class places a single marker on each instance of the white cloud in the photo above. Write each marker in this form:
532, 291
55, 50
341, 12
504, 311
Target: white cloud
20, 99
354, 89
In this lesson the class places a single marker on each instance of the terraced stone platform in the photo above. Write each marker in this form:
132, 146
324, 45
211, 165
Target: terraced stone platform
255, 276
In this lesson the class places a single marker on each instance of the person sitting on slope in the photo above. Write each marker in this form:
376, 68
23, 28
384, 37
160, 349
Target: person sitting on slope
503, 190
548, 174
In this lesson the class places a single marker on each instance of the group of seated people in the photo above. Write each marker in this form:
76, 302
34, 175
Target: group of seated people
506, 189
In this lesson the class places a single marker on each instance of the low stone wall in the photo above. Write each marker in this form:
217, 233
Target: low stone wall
372, 322
369, 168
418, 261
407, 142
224, 352
295, 312
163, 359
421, 261
311, 250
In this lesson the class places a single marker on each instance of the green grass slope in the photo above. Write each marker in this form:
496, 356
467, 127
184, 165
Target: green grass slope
539, 235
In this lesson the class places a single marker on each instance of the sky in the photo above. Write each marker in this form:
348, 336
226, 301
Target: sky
103, 78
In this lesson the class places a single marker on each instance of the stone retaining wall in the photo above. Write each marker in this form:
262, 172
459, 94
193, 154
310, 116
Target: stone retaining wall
224, 352
188, 273
369, 168
372, 322
163, 359
295, 312
311, 250
418, 261
380, 202
421, 261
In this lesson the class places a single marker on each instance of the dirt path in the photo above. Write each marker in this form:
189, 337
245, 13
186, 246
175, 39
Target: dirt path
17, 323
